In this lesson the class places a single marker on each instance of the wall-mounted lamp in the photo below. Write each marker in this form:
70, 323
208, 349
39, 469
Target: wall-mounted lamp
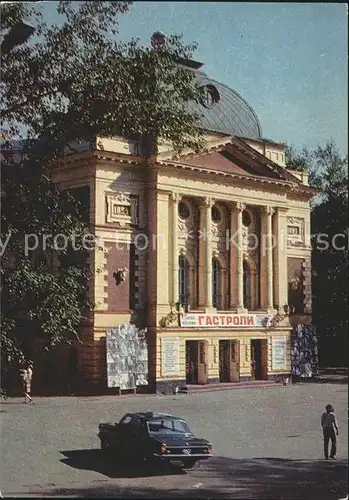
120, 275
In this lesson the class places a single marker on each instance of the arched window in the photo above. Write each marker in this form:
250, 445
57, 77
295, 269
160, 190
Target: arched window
247, 286
183, 281
216, 283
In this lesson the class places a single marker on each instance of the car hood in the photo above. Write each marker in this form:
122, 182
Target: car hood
179, 440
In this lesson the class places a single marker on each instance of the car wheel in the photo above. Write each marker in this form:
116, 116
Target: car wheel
189, 465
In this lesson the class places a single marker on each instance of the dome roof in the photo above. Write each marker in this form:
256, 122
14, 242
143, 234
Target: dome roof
224, 110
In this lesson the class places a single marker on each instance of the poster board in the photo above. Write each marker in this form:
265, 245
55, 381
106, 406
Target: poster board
170, 357
305, 353
278, 356
127, 357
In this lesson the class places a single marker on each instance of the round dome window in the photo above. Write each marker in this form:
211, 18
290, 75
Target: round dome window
216, 214
209, 96
183, 210
246, 218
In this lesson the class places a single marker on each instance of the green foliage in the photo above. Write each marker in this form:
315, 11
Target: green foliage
76, 82
295, 160
330, 259
71, 82
43, 289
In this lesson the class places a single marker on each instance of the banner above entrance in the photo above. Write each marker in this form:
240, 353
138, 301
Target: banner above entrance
223, 320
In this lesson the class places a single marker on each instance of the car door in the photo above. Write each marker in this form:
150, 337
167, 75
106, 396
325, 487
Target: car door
131, 436
123, 431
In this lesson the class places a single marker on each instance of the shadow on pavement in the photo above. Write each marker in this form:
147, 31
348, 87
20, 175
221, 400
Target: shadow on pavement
96, 460
258, 478
325, 379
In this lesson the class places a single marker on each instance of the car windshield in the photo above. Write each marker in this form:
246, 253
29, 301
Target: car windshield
168, 426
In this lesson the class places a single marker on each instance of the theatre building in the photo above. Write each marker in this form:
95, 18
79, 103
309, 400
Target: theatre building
209, 252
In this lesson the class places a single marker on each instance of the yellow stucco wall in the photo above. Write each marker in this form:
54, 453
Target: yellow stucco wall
108, 173
213, 337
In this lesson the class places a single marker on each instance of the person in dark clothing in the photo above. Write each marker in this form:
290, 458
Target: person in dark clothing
330, 431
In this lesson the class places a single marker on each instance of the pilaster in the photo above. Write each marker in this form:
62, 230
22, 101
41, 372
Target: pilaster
208, 204
233, 258
267, 243
280, 259
174, 200
240, 207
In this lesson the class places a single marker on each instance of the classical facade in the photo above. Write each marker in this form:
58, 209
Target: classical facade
209, 252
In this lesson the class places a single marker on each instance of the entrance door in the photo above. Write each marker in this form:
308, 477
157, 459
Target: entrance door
224, 361
259, 359
234, 361
202, 362
229, 361
191, 361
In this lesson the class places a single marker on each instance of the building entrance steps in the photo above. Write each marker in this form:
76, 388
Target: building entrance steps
190, 388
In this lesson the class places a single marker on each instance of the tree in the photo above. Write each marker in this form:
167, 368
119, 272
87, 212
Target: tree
299, 161
328, 170
72, 82
330, 255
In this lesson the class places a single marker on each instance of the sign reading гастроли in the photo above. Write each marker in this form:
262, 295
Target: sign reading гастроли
225, 320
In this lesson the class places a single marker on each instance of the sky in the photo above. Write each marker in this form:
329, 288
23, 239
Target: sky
288, 60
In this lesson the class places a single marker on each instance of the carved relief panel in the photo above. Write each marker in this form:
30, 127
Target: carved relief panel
295, 231
122, 209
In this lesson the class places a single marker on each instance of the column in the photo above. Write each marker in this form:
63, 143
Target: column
208, 204
270, 212
240, 258
267, 288
280, 259
233, 257
175, 198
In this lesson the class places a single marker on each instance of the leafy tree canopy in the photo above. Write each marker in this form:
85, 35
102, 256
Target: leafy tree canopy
73, 80
328, 170
330, 253
76, 80
299, 161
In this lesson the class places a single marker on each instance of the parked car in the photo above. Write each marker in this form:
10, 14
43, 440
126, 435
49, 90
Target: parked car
155, 438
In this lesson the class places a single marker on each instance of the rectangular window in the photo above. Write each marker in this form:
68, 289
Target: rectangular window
216, 284
183, 281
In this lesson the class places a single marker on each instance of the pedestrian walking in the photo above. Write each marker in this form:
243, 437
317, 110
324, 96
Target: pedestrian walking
330, 431
26, 376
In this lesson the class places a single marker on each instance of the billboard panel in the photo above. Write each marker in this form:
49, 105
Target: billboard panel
127, 357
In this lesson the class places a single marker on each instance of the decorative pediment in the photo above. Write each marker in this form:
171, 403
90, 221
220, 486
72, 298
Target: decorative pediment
237, 157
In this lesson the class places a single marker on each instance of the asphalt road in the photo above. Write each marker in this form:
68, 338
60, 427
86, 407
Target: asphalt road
267, 443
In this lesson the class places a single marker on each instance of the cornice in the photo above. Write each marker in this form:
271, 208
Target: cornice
218, 173
296, 188
80, 159
72, 161
118, 158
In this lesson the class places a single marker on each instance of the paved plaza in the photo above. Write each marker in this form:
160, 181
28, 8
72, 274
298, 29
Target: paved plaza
267, 443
